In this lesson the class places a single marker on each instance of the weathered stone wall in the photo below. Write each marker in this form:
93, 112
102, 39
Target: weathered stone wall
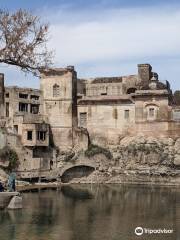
107, 123
59, 101
156, 99
15, 95
111, 86
112, 89
81, 139
144, 73
35, 129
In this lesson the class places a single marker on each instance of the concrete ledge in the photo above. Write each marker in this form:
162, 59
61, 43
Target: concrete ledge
5, 198
8, 194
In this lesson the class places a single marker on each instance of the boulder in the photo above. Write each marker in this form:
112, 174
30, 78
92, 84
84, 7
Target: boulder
126, 141
170, 142
177, 146
151, 140
177, 160
15, 203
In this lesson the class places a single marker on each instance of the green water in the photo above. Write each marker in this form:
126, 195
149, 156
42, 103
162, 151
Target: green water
110, 212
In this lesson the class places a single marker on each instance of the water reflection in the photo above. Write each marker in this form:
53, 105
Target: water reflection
90, 212
77, 193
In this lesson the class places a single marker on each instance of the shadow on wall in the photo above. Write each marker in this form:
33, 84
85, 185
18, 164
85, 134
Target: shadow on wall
76, 172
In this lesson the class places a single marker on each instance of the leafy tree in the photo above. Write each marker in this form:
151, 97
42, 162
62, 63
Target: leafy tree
23, 41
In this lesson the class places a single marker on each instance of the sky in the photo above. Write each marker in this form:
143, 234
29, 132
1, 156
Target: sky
106, 37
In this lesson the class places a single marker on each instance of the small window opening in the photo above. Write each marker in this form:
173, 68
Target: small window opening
151, 112
23, 95
83, 120
23, 107
16, 129
34, 108
7, 109
126, 114
34, 97
131, 90
41, 135
29, 135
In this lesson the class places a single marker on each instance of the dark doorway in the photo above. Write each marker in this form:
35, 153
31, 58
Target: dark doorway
131, 90
76, 172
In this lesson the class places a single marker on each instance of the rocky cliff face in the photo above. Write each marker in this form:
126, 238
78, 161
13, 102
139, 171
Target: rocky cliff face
135, 159
146, 160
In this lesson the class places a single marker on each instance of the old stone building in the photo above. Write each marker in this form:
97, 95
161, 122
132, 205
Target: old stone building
114, 107
68, 113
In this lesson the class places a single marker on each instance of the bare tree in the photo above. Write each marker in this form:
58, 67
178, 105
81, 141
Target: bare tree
23, 40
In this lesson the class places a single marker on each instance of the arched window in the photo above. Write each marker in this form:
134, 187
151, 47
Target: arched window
131, 90
56, 90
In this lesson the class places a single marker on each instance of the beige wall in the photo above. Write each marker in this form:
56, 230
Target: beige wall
159, 103
60, 110
104, 88
107, 121
110, 86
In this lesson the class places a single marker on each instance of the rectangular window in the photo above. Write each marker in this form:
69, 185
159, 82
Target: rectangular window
176, 115
29, 135
7, 109
7, 95
41, 135
34, 108
126, 114
56, 90
151, 112
23, 107
23, 95
16, 129
34, 97
83, 120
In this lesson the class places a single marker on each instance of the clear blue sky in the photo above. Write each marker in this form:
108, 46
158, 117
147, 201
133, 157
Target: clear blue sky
80, 4
107, 37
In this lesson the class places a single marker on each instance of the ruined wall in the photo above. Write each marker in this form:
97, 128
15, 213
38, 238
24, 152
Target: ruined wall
144, 73
97, 89
130, 83
20, 102
106, 123
35, 130
111, 86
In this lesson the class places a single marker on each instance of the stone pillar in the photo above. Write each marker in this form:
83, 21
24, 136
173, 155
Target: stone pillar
144, 73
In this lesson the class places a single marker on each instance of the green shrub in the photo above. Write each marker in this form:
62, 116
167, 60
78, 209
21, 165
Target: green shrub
95, 149
8, 154
13, 160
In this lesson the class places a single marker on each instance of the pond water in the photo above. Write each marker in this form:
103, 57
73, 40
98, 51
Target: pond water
94, 212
